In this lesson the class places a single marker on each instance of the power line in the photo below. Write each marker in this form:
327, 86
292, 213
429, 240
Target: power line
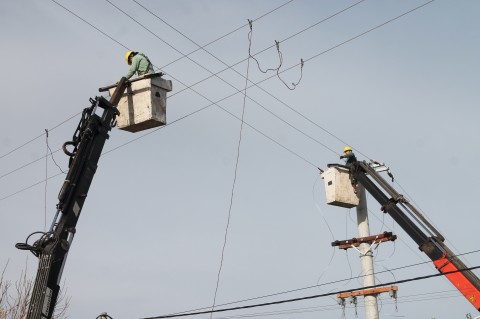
318, 285
161, 127
234, 178
311, 58
23, 166
321, 53
214, 74
231, 67
217, 39
315, 296
37, 137
216, 103
269, 47
256, 84
434, 295
189, 87
27, 164
79, 17
28, 187
99, 30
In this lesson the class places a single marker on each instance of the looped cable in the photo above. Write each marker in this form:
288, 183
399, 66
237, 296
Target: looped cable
67, 152
37, 247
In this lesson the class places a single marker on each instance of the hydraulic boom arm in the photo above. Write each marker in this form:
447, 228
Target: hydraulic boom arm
429, 240
52, 248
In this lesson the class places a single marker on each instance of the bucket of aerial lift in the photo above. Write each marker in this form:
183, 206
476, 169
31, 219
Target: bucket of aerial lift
143, 105
338, 187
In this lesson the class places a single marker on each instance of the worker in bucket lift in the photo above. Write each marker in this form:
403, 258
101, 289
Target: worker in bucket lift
139, 63
348, 154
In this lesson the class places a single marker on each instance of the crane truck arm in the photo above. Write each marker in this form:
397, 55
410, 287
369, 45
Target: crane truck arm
428, 239
53, 246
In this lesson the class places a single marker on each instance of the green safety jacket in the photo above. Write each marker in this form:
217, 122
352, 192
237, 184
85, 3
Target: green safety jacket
350, 158
140, 64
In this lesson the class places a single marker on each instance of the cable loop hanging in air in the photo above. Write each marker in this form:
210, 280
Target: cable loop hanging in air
280, 63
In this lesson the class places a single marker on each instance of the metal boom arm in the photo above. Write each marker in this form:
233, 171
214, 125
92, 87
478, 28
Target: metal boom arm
52, 248
429, 240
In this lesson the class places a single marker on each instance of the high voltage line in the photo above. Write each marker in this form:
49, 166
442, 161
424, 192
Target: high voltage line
216, 74
435, 295
202, 47
256, 84
121, 44
37, 137
316, 286
271, 303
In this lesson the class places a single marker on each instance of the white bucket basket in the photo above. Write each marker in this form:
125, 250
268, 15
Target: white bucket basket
338, 188
143, 105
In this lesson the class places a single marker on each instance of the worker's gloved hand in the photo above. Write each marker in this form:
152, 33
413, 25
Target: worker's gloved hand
341, 156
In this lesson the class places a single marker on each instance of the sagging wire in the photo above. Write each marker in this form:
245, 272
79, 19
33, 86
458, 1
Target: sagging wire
235, 174
294, 85
48, 151
280, 63
51, 153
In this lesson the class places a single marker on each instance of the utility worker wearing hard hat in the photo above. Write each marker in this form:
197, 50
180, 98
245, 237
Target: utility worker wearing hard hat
139, 63
348, 154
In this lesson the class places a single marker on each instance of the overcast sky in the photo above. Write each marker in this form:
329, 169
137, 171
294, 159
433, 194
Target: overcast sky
150, 237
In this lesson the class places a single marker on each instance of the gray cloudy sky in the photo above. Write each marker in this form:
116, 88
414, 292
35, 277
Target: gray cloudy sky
150, 237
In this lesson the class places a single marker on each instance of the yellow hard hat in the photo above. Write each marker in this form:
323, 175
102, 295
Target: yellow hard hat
127, 56
347, 148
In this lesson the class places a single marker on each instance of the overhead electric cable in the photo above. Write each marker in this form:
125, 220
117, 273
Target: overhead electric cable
238, 91
211, 42
315, 286
217, 39
271, 303
161, 127
35, 138
27, 164
216, 75
323, 52
234, 177
231, 67
434, 295
311, 58
28, 187
267, 48
189, 87
93, 26
261, 51
347, 41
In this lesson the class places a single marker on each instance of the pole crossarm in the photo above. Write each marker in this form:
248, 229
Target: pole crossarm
355, 242
367, 292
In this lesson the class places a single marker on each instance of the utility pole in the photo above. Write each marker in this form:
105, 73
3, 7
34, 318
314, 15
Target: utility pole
339, 192
366, 255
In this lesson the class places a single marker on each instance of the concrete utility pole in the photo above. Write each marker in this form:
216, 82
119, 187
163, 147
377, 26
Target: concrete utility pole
366, 255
